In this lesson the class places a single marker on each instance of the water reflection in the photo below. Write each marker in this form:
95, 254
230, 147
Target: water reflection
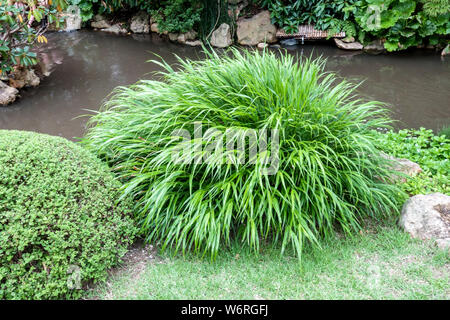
88, 65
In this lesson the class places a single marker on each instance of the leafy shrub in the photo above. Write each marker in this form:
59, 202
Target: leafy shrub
329, 169
58, 216
177, 15
325, 15
22, 24
402, 23
431, 152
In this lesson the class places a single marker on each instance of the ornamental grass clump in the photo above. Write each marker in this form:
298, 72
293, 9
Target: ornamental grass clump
309, 164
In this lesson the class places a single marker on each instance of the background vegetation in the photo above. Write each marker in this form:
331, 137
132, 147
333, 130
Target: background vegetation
172, 16
399, 23
58, 215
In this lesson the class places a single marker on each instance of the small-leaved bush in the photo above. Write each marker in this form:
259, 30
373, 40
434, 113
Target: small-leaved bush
60, 225
329, 175
431, 152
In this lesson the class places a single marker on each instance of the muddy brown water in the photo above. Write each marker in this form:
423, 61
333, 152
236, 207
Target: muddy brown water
88, 65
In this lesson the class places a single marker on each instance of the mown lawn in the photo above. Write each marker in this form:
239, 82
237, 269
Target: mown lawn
381, 263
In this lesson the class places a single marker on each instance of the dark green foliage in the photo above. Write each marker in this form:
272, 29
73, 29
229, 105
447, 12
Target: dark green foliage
171, 15
58, 215
402, 23
329, 175
325, 15
177, 15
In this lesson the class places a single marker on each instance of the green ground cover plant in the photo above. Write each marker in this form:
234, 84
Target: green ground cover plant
330, 172
430, 151
60, 225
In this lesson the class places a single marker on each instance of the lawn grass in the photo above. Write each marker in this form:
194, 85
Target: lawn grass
381, 263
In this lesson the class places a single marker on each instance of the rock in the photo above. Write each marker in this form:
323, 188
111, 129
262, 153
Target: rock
221, 37
100, 22
403, 166
7, 94
73, 22
348, 45
116, 29
140, 23
375, 47
262, 45
24, 78
256, 29
446, 51
428, 217
173, 36
181, 38
154, 27
194, 43
72, 19
234, 1
187, 36
191, 35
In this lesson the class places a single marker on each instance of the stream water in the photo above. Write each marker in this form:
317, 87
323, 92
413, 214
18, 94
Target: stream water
88, 65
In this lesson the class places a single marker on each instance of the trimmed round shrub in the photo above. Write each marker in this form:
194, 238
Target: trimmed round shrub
60, 224
320, 169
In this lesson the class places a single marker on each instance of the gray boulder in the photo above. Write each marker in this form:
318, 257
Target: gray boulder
140, 23
100, 22
72, 19
375, 47
24, 77
7, 94
402, 166
221, 37
348, 45
116, 29
187, 36
428, 217
256, 29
